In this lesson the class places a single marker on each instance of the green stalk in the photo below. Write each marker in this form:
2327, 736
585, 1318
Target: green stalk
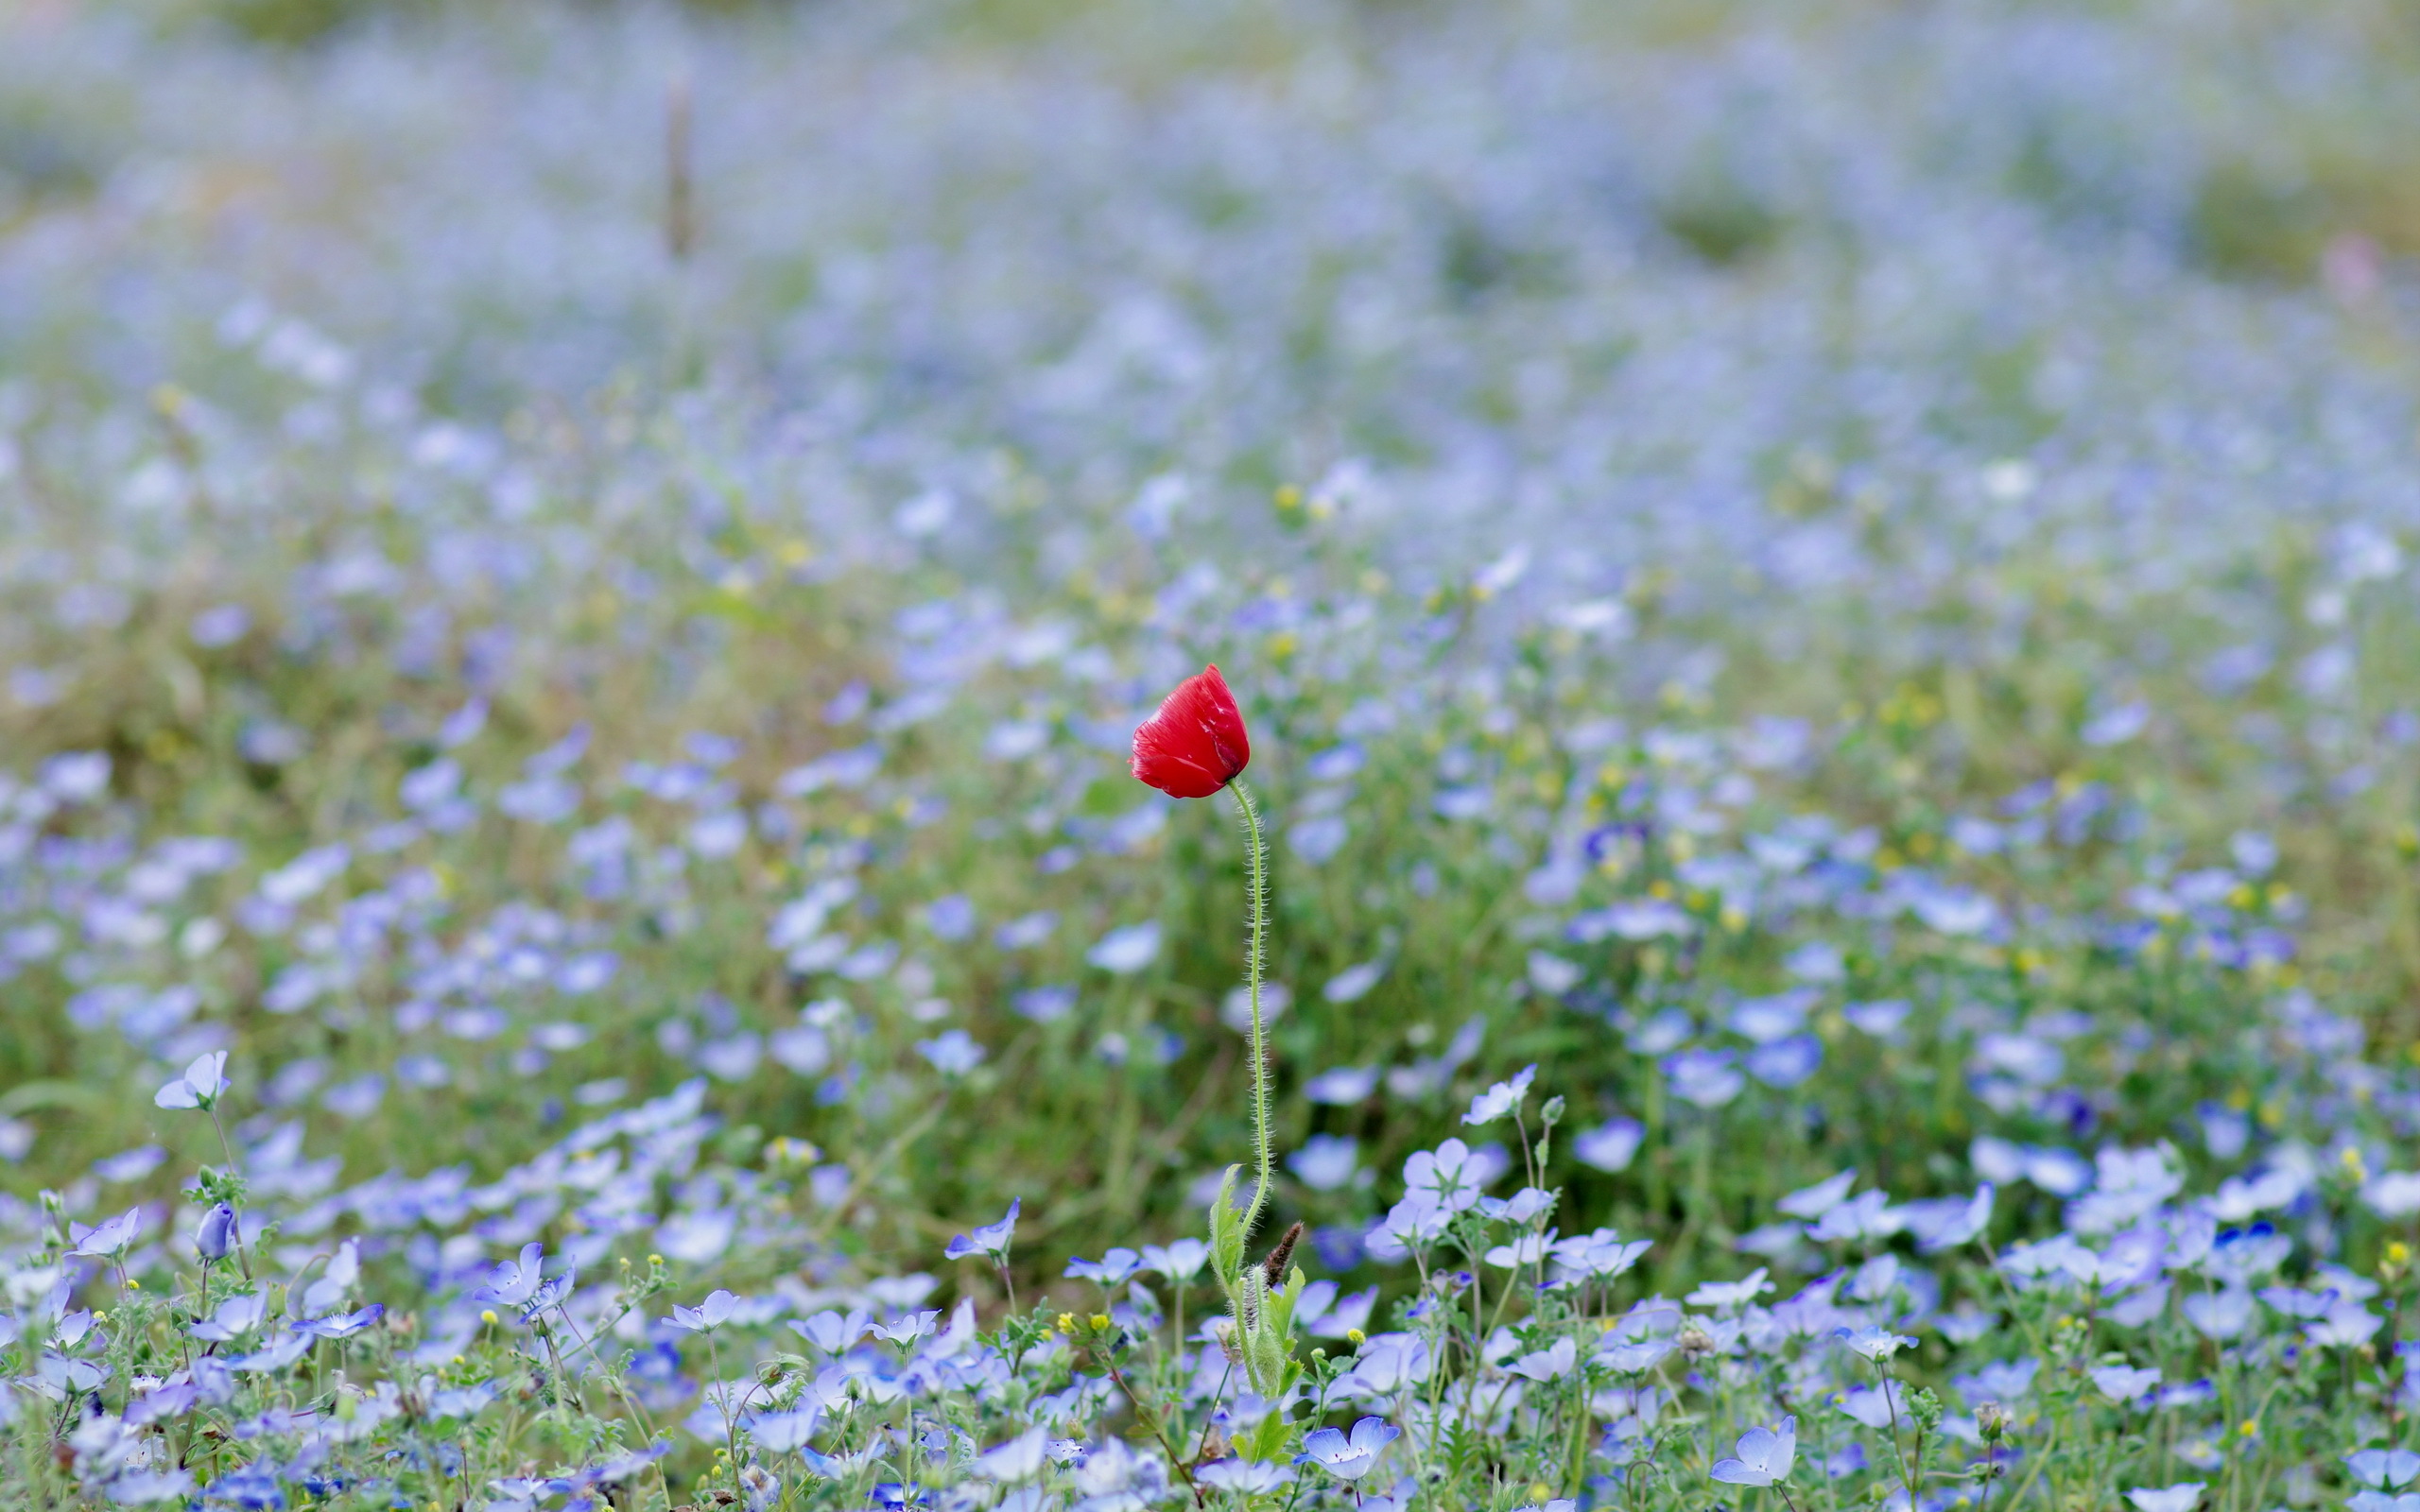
1256, 863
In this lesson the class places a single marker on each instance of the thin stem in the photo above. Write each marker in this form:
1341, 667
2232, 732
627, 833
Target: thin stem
243, 1261
1152, 1420
1890, 1398
1257, 861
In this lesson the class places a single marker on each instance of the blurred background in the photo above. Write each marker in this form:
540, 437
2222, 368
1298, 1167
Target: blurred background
552, 550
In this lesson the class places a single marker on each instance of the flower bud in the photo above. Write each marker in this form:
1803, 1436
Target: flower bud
1991, 1420
217, 1233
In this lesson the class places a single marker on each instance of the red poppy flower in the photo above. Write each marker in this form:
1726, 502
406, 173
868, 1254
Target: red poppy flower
1196, 744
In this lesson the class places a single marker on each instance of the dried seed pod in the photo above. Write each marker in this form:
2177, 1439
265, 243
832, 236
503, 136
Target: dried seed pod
1273, 1269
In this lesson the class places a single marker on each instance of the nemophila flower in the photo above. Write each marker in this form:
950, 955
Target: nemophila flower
274, 1355
833, 1332
1873, 1406
107, 1239
1179, 1261
1020, 1459
200, 1085
1519, 1207
1630, 1357
990, 1240
343, 1325
1326, 1161
1552, 1362
1125, 950
954, 1053
216, 1234
2180, 1497
144, 1488
1447, 1176
1353, 983
2221, 1314
1527, 1250
1703, 1078
1949, 1222
1500, 1099
1196, 743
1244, 1477
253, 1488
1873, 1341
908, 1328
783, 1432
1347, 1084
1610, 1147
1763, 1457
1113, 1475
236, 1316
1348, 1456
1113, 1268
1727, 1296
1387, 1364
2345, 1327
2386, 1470
709, 1314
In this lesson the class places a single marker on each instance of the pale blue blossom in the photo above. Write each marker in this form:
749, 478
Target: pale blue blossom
1762, 1457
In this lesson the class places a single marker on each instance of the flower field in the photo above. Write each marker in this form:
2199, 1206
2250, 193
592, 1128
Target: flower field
1810, 805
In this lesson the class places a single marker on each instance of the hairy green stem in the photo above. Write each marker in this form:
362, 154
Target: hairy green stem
1256, 867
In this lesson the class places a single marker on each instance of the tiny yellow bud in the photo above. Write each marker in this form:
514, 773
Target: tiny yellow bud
1355, 1337
487, 1314
1099, 1322
1066, 1322
655, 1260
2249, 1429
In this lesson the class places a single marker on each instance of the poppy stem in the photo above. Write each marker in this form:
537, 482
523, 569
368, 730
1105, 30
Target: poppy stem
1257, 868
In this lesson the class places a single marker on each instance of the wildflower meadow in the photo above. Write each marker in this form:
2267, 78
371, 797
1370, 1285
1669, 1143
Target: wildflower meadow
1277, 754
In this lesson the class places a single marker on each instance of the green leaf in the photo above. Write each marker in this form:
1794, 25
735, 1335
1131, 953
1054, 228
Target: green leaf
1227, 1232
1280, 1309
1270, 1438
